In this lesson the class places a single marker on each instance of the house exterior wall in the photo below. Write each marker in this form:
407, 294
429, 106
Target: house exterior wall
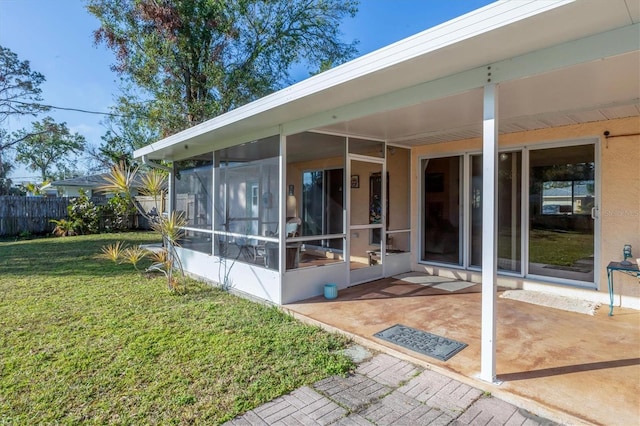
74, 191
619, 204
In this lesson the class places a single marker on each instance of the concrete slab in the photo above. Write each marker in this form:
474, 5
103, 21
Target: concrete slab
551, 362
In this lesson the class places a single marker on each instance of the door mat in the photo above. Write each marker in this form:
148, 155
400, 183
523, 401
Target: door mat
441, 283
555, 301
420, 341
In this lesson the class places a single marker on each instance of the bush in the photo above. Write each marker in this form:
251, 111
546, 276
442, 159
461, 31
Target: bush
117, 214
83, 214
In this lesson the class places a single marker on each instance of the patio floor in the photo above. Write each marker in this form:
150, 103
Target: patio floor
568, 367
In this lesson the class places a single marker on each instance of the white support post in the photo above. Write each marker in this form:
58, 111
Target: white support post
489, 232
282, 209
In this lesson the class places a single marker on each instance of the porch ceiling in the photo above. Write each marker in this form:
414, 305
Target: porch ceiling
499, 33
594, 91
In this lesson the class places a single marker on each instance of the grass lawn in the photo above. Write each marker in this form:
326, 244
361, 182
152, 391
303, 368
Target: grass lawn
86, 340
559, 248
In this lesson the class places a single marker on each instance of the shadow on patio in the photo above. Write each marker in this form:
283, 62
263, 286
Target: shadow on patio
570, 367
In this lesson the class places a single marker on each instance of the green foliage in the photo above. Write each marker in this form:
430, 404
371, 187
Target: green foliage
20, 92
64, 227
120, 182
48, 145
117, 213
33, 188
191, 60
84, 214
86, 340
20, 95
5, 169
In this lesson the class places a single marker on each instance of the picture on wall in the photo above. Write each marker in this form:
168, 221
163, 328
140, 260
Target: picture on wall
355, 181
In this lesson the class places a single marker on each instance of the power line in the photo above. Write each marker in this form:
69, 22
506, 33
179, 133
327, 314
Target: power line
85, 111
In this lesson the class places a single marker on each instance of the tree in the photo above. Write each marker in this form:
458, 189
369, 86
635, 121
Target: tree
191, 60
20, 95
5, 181
19, 87
126, 132
47, 146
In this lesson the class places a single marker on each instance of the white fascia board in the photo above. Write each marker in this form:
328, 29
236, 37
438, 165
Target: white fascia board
592, 48
486, 19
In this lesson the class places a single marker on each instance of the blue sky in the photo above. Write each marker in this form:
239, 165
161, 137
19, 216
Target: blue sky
56, 37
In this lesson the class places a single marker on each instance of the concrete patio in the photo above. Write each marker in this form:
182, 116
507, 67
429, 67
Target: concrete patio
568, 367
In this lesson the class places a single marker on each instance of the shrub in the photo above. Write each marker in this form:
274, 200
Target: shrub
83, 214
63, 228
117, 213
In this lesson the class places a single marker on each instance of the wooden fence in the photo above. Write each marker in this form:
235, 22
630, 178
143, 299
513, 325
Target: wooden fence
34, 214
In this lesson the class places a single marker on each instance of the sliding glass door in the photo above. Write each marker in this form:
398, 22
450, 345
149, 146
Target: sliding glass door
562, 195
557, 228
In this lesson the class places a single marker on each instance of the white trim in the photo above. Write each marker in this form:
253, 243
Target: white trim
597, 223
398, 231
592, 48
370, 272
282, 237
465, 206
203, 230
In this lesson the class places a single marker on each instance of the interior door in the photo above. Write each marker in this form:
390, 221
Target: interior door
367, 213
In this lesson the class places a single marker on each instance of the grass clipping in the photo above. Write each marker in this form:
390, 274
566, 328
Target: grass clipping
553, 301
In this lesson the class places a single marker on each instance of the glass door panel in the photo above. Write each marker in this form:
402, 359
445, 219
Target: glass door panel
561, 198
366, 219
509, 210
441, 240
475, 205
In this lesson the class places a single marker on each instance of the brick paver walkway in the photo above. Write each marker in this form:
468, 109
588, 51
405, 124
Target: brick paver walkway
388, 391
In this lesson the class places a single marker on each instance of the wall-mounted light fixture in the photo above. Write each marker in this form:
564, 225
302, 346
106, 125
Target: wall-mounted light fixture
292, 203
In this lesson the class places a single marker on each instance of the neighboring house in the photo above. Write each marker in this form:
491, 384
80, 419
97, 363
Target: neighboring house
90, 184
384, 161
72, 187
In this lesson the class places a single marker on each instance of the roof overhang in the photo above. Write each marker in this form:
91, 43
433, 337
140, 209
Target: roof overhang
520, 41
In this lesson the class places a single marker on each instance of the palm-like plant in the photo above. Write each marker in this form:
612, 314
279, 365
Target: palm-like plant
113, 251
134, 255
63, 227
121, 181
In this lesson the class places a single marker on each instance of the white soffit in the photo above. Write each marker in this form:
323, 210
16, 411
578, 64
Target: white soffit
597, 90
499, 31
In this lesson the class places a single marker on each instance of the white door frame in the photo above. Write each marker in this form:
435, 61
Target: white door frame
369, 273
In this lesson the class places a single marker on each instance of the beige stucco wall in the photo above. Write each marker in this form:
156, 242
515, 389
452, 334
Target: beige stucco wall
619, 205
